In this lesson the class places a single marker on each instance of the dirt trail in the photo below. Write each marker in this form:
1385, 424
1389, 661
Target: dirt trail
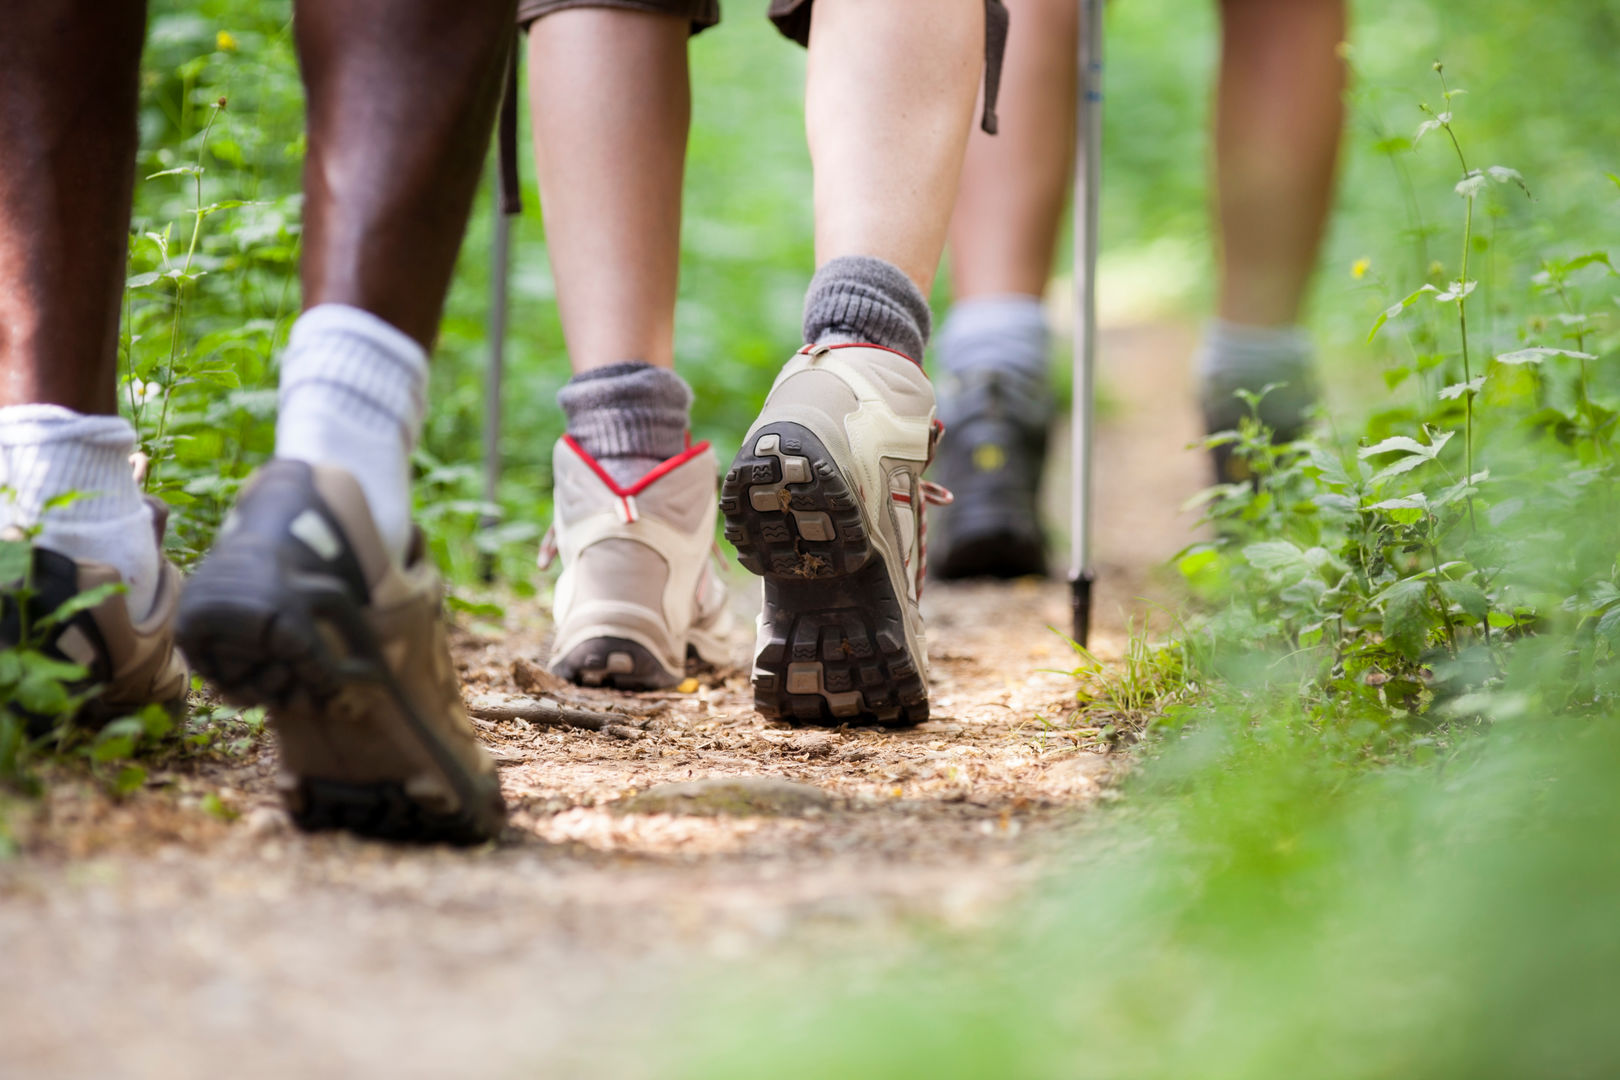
150, 938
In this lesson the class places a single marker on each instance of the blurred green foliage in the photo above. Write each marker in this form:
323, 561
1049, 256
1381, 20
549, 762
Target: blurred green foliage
747, 242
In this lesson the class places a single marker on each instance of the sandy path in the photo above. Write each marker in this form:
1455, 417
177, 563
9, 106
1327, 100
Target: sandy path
149, 938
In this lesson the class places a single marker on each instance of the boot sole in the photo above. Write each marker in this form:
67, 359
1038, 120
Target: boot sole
836, 647
990, 553
614, 663
303, 648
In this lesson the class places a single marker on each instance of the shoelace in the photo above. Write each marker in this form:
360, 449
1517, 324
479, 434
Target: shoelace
932, 495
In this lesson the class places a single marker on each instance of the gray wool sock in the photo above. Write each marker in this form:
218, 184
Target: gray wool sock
1008, 334
629, 417
1235, 357
863, 300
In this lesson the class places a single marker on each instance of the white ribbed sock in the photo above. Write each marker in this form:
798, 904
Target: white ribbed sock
353, 391
47, 451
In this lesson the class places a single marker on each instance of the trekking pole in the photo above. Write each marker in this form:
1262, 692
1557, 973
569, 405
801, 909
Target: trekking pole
1087, 200
500, 257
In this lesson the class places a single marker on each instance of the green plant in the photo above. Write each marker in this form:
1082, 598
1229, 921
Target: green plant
1399, 575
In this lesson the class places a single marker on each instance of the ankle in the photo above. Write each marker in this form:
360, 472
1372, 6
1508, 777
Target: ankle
629, 417
864, 300
353, 394
1007, 334
48, 452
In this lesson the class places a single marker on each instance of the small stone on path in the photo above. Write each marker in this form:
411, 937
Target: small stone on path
739, 796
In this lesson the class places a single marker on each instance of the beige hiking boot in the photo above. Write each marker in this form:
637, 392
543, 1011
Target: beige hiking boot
134, 663
637, 595
825, 500
300, 608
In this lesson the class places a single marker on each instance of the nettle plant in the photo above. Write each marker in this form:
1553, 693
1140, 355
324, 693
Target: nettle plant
1404, 573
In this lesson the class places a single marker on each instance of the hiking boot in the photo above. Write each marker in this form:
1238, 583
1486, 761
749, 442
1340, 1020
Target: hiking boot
993, 463
1273, 362
1284, 412
825, 501
300, 608
134, 663
637, 595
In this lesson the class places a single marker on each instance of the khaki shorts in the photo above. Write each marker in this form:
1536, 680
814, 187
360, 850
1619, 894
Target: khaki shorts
792, 17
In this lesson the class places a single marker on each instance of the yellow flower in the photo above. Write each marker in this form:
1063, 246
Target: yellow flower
1360, 268
224, 41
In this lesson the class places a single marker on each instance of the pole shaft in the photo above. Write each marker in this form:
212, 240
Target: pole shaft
500, 267
1087, 221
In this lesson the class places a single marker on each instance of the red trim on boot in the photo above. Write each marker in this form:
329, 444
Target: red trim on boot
863, 345
657, 473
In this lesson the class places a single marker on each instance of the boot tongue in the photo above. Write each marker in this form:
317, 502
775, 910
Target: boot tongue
628, 471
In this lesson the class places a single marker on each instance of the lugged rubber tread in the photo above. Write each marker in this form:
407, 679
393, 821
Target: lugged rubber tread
833, 616
589, 663
298, 643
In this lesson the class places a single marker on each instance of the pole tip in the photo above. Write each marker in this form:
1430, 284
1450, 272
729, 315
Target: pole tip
1080, 596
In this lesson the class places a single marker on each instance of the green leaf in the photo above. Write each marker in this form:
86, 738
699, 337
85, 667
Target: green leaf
1471, 185
1457, 390
1396, 442
129, 778
141, 281
215, 807
1276, 555
15, 557
1504, 175
1395, 309
1591, 258
82, 602
1538, 354
1419, 501
1467, 596
115, 749
39, 693
1407, 616
11, 668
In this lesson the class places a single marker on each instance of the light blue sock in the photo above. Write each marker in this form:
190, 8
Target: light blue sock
1006, 333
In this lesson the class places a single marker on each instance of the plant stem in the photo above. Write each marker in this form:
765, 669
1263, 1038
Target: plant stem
179, 293
1468, 373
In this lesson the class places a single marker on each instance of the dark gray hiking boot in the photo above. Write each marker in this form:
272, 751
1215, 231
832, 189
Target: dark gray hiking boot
1235, 359
992, 461
300, 608
130, 663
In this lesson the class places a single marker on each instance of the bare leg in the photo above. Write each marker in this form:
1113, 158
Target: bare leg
1016, 183
611, 104
888, 109
402, 96
67, 121
1277, 129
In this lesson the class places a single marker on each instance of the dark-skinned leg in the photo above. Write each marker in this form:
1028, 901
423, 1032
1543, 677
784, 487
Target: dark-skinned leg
402, 94
67, 120
315, 603
69, 73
